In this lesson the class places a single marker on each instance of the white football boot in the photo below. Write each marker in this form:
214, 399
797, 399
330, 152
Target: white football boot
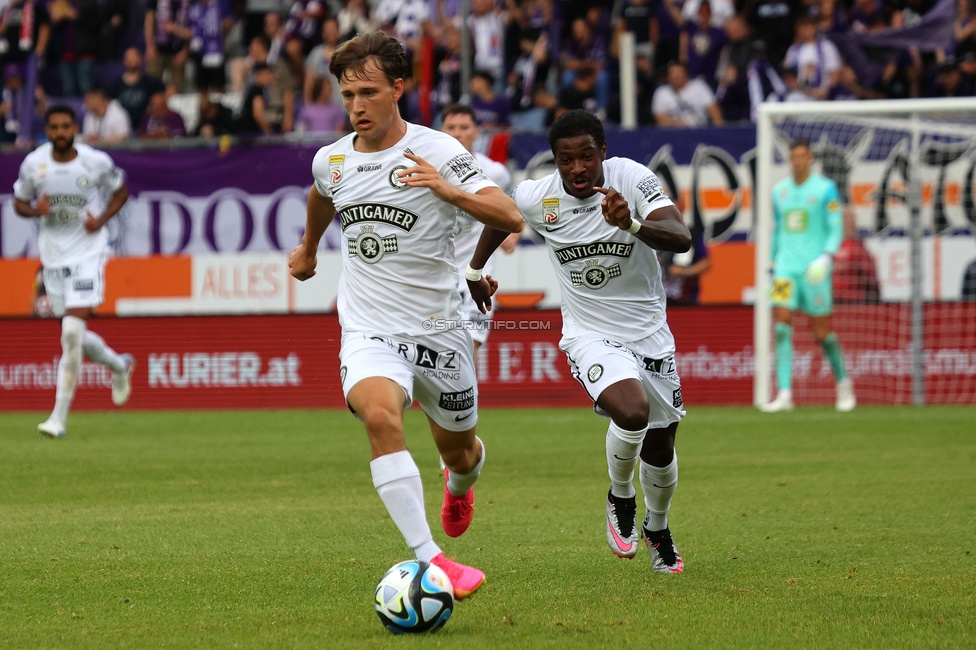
846, 401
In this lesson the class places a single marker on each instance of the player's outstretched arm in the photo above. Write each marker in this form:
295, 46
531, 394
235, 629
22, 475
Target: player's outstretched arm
320, 212
663, 230
93, 223
489, 205
483, 288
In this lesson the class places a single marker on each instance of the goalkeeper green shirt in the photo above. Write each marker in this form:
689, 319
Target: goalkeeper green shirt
807, 222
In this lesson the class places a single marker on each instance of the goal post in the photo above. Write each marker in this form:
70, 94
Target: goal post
905, 171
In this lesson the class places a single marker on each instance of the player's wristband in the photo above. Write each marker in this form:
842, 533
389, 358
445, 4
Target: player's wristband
472, 275
634, 227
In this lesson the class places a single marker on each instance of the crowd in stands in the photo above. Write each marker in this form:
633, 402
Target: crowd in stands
261, 66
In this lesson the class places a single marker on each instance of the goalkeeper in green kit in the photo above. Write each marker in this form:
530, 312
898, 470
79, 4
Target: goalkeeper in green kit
807, 233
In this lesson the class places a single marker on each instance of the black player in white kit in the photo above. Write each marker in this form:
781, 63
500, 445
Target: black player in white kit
602, 221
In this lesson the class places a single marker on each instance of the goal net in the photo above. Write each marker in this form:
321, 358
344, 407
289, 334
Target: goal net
904, 279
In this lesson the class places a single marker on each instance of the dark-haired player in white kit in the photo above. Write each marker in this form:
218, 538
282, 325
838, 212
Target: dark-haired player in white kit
602, 221
73, 190
397, 187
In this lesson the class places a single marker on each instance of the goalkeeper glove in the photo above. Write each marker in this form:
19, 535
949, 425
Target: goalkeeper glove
818, 269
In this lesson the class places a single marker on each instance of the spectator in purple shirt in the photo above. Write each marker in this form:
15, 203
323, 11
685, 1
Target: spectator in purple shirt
490, 109
586, 49
159, 122
210, 21
322, 115
701, 45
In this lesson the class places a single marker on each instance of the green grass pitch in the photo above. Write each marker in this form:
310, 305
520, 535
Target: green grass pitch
261, 529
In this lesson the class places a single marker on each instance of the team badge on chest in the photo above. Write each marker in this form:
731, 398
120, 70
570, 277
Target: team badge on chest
370, 247
594, 276
395, 178
335, 168
550, 210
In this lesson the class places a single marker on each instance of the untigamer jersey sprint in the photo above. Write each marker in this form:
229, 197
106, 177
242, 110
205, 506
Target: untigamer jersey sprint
398, 251
610, 280
807, 221
74, 190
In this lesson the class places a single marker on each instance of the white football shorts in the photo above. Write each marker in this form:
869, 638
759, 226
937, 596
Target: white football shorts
77, 286
598, 362
438, 371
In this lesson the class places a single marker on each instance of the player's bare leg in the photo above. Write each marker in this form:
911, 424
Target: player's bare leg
626, 403
440, 459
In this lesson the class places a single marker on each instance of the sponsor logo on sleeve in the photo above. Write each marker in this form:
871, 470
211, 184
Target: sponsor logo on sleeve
650, 187
464, 166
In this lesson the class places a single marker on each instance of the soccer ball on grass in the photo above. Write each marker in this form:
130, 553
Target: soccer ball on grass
414, 597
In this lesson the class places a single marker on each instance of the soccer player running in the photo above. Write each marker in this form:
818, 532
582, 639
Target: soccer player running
808, 229
615, 332
73, 190
397, 187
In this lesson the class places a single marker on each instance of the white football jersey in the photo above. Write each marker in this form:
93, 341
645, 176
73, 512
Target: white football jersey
397, 241
467, 230
74, 189
610, 280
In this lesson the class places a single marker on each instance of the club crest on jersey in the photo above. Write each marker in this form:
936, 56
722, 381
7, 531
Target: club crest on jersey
594, 276
335, 168
550, 210
82, 182
833, 205
370, 247
395, 180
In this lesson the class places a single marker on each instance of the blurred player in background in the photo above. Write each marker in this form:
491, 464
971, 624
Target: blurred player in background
807, 233
615, 332
74, 190
459, 121
397, 187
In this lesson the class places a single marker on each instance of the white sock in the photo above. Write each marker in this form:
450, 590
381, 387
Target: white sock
459, 484
69, 367
623, 450
397, 480
95, 349
659, 484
